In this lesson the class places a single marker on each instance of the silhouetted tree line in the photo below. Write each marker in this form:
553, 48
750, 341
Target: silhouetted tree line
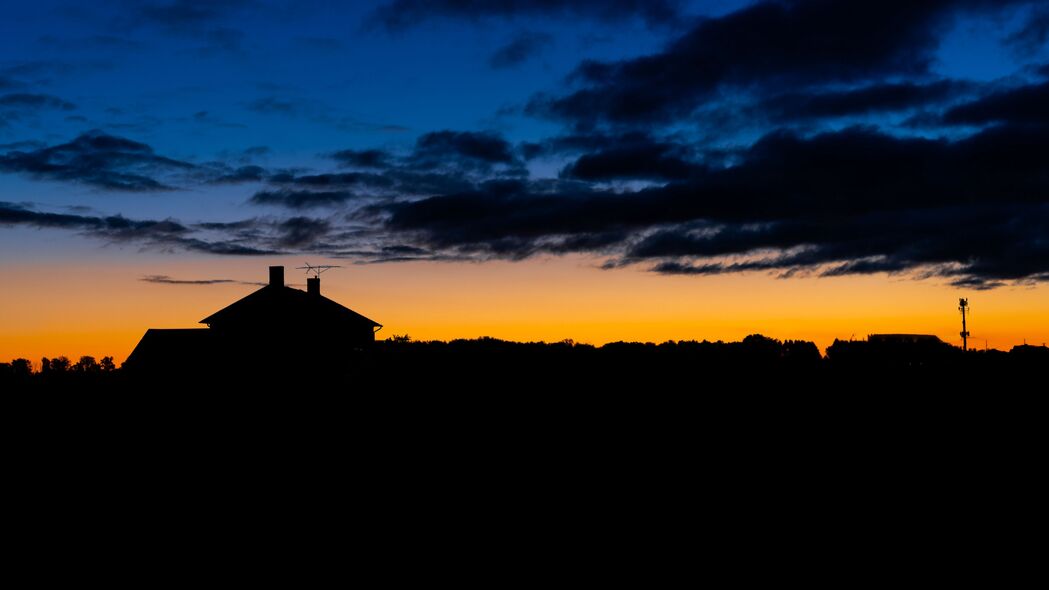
491, 364
59, 372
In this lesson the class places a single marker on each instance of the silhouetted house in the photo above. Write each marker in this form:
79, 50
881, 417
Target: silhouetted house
275, 324
282, 309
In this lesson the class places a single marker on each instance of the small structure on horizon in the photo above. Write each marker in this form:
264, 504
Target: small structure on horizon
963, 305
897, 339
891, 351
276, 323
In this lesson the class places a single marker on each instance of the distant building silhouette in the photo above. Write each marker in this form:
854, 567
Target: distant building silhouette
1031, 353
275, 324
891, 350
904, 339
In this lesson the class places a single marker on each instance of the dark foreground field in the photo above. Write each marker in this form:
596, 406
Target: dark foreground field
632, 447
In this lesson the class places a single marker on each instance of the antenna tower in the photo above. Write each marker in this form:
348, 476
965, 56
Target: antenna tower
963, 305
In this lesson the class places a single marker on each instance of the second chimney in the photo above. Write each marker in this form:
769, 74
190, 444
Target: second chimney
276, 276
313, 286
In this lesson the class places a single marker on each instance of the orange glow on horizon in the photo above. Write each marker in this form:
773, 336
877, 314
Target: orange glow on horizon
103, 309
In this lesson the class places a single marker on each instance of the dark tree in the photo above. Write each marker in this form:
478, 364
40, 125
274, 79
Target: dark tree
87, 365
21, 368
58, 364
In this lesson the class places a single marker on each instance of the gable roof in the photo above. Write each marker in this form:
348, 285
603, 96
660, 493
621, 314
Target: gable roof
282, 303
169, 345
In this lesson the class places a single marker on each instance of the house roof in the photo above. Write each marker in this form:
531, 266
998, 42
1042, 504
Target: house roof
282, 303
164, 345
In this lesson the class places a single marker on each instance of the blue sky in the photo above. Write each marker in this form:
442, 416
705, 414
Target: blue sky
331, 81
213, 88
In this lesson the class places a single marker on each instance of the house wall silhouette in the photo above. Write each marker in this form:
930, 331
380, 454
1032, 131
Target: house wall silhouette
275, 324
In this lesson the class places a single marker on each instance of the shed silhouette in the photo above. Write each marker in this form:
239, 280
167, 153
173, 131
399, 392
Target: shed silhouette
276, 323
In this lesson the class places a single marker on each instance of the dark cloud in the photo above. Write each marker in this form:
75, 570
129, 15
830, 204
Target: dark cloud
97, 159
765, 46
499, 214
115, 227
122, 229
229, 225
301, 199
393, 253
440, 161
164, 235
1034, 34
930, 239
362, 158
465, 150
35, 101
256, 151
530, 150
241, 174
859, 199
401, 14
301, 232
19, 214
521, 49
636, 157
409, 182
186, 15
17, 107
336, 180
1023, 105
222, 248
672, 267
865, 100
166, 280
578, 143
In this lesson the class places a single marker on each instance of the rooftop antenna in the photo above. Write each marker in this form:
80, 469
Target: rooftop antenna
963, 305
316, 269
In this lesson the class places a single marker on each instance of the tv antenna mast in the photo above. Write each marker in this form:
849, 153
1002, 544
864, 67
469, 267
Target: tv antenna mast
316, 269
963, 305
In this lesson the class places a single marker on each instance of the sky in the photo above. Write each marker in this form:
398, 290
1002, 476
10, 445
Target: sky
527, 169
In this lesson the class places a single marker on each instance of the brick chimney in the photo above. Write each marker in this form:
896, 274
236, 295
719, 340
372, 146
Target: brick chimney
313, 286
276, 276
